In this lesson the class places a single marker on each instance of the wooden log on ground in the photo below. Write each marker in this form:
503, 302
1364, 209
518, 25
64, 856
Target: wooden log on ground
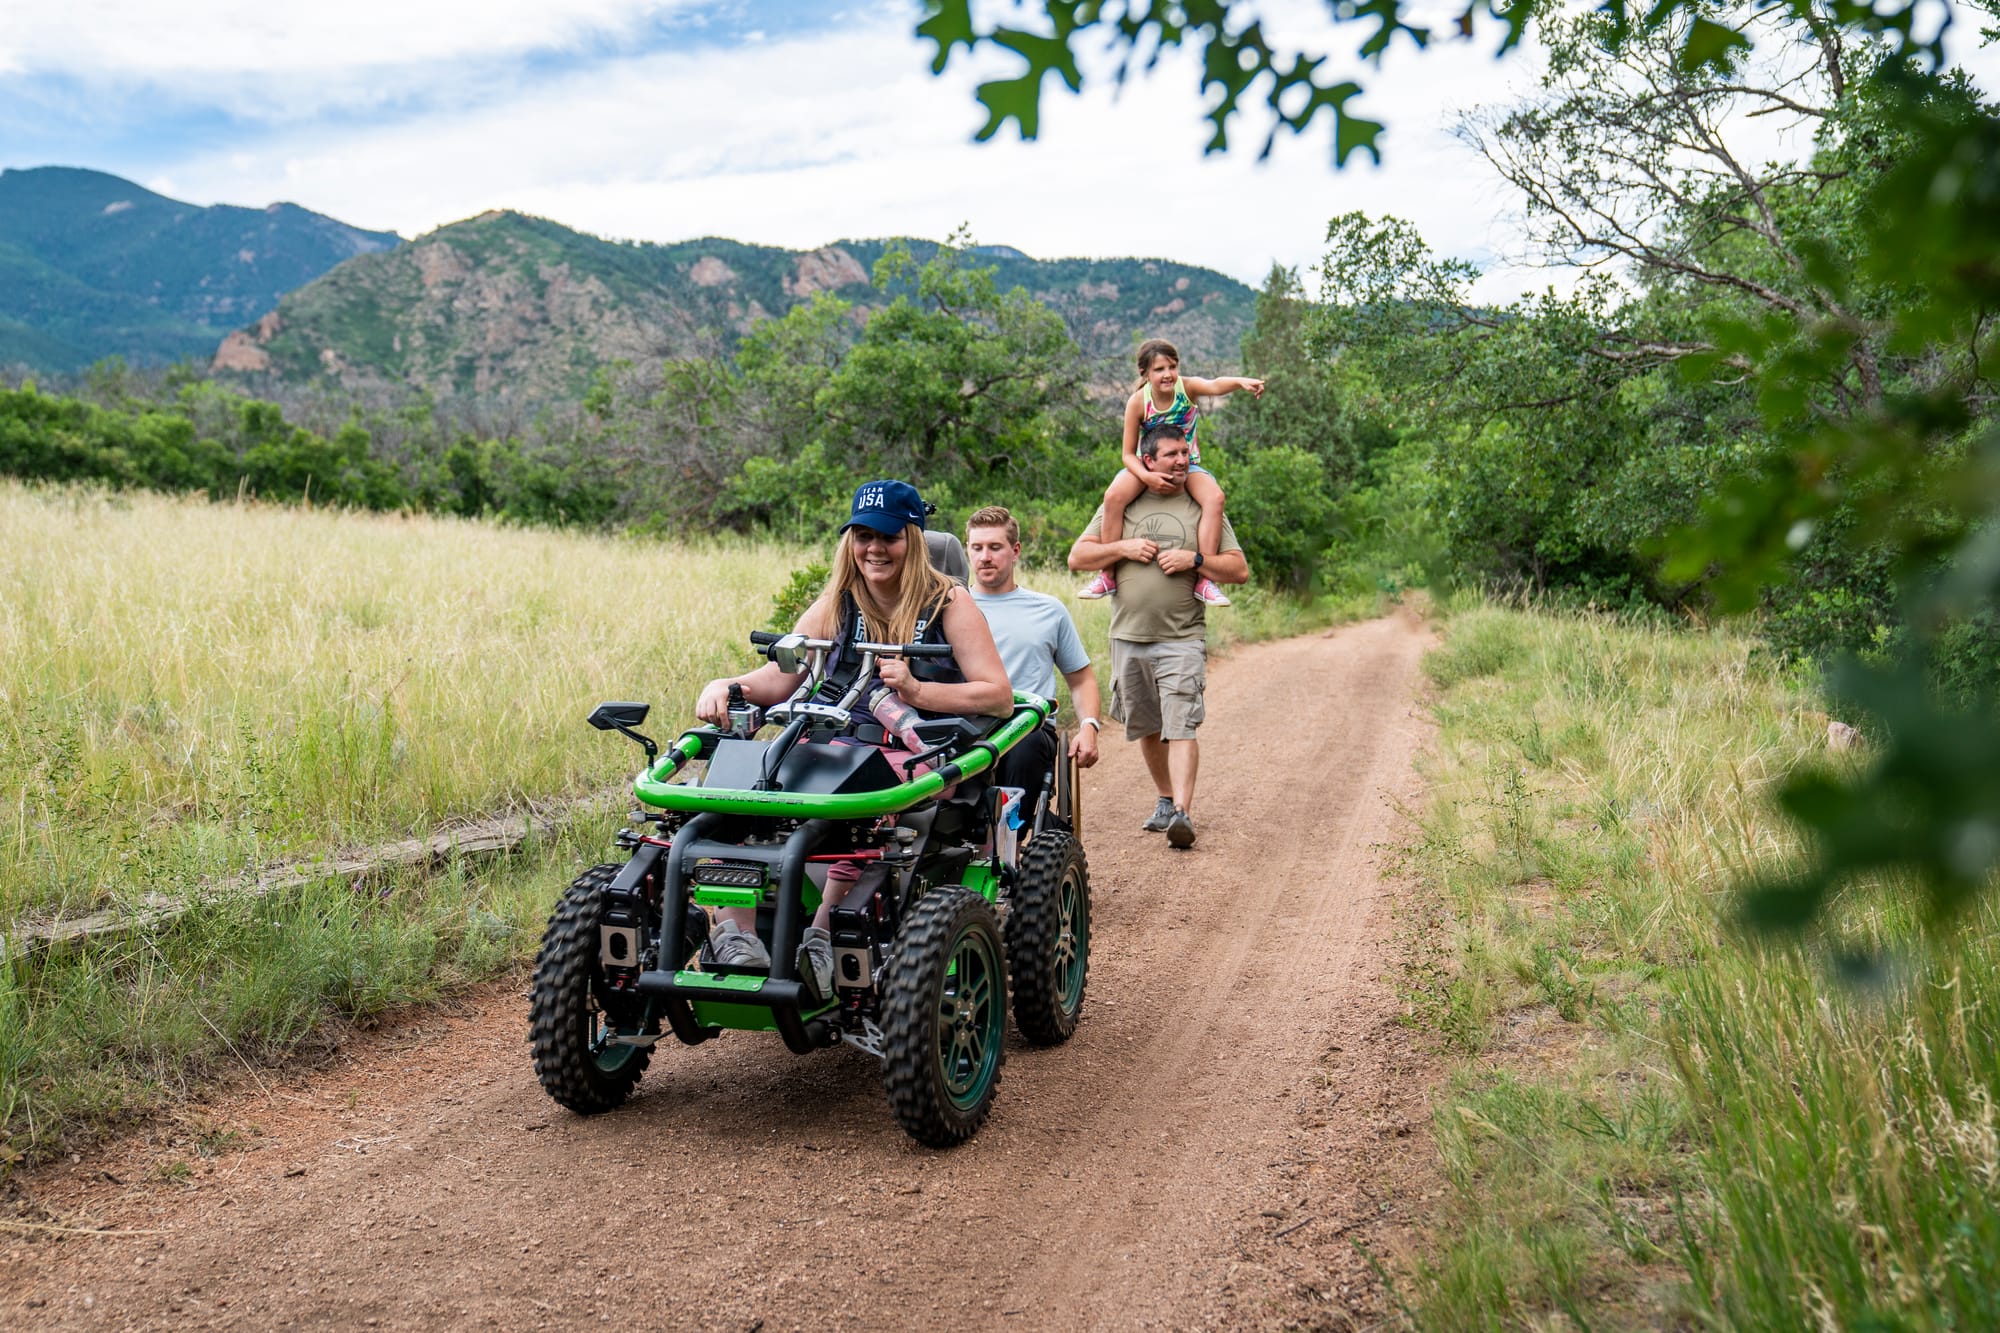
491, 837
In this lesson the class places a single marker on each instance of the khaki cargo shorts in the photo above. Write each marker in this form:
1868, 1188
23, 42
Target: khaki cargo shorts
1156, 688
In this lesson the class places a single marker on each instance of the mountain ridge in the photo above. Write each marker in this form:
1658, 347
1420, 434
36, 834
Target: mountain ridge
503, 306
510, 305
94, 265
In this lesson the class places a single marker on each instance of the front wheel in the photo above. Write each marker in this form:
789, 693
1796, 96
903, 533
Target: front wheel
574, 1018
945, 1017
1048, 937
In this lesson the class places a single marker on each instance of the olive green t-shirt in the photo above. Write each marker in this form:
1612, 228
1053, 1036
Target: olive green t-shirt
1152, 607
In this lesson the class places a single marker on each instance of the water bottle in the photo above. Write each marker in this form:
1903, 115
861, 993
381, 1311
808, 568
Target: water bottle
1007, 829
744, 716
897, 718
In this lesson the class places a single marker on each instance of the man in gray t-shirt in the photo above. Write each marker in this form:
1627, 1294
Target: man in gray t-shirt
1159, 629
1037, 640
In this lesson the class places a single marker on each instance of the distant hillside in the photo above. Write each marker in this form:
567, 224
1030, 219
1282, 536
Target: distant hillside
94, 266
514, 307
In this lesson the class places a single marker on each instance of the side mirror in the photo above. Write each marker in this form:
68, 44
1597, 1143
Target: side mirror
617, 717
622, 718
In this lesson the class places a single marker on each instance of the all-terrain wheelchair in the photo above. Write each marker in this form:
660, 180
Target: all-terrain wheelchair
966, 899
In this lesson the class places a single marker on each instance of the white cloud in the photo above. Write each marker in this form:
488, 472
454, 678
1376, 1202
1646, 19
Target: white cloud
799, 142
276, 62
205, 38
795, 140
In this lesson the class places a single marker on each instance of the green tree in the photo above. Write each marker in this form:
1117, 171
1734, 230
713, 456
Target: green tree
966, 390
1917, 463
1243, 71
1280, 496
1312, 400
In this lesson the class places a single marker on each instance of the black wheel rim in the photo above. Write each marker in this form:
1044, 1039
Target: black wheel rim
969, 1020
1072, 941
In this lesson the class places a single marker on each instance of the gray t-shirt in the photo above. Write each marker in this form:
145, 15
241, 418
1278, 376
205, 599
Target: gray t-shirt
1035, 636
1153, 607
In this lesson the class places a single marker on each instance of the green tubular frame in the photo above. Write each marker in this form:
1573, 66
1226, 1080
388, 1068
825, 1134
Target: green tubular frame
654, 787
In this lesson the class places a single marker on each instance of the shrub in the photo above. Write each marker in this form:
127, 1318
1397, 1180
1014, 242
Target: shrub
1282, 514
797, 595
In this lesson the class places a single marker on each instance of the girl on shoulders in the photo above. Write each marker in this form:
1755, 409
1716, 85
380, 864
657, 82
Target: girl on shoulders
1164, 398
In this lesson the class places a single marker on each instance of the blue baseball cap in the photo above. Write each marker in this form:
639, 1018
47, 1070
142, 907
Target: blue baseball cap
886, 506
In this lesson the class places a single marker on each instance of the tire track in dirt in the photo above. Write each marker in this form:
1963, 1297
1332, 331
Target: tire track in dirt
1237, 1088
1292, 819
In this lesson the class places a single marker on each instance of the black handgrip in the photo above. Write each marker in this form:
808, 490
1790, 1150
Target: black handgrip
925, 650
764, 638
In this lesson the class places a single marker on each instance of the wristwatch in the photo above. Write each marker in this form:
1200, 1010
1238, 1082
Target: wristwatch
1091, 722
1197, 559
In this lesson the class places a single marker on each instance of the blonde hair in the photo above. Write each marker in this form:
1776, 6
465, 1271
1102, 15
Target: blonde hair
995, 516
919, 587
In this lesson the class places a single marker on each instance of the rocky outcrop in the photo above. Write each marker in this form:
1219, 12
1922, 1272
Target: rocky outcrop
243, 351
439, 263
826, 270
510, 308
239, 352
708, 271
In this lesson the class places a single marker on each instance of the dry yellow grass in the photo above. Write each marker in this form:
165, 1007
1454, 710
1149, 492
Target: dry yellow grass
189, 688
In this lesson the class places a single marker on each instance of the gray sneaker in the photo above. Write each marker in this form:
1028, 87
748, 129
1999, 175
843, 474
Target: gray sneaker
1163, 814
1180, 830
732, 946
816, 962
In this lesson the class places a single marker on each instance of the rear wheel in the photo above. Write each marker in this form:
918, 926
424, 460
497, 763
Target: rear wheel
945, 1017
575, 1018
1048, 937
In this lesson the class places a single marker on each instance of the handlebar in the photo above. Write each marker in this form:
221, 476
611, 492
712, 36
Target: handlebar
906, 649
765, 640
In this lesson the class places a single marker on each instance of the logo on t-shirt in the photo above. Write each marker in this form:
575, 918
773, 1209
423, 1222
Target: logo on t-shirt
1167, 530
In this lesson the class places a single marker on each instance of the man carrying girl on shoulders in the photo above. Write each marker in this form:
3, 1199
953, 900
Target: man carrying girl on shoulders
1163, 398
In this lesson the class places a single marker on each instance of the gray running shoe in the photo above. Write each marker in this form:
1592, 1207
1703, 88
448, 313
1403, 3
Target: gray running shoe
1162, 814
816, 962
1180, 830
732, 946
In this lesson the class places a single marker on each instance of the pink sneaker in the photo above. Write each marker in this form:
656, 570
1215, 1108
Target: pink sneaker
1206, 589
1101, 585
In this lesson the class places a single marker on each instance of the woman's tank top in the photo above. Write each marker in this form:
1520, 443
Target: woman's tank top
854, 629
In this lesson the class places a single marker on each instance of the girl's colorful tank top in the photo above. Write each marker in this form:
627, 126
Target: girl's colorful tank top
1181, 412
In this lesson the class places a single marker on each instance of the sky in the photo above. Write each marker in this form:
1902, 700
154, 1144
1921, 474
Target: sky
770, 121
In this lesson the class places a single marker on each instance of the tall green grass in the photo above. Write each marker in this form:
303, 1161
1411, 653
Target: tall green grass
1655, 1119
190, 689
239, 986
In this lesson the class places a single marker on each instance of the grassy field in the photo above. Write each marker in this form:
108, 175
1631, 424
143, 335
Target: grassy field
1654, 1119
189, 691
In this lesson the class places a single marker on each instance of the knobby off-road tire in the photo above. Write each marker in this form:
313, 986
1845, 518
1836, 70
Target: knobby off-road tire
567, 1019
944, 1017
1048, 937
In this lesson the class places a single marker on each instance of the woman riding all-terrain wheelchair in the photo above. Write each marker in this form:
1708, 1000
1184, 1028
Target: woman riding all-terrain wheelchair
935, 887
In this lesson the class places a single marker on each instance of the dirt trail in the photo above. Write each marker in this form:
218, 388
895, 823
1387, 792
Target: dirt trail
1236, 1109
